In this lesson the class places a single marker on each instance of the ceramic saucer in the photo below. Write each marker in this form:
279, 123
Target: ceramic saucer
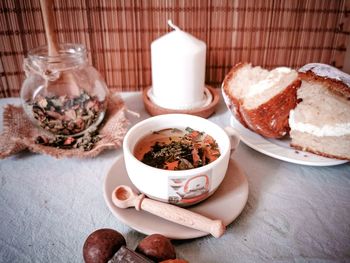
226, 204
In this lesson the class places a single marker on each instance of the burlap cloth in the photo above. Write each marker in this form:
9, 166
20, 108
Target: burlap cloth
19, 132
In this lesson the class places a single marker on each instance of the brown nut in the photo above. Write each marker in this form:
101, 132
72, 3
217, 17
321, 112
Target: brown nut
101, 245
156, 247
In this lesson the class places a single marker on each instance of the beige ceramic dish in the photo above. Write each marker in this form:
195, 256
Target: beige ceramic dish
226, 203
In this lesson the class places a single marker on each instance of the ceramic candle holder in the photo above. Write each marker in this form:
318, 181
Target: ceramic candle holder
205, 111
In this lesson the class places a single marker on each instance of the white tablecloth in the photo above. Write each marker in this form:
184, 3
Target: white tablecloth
294, 213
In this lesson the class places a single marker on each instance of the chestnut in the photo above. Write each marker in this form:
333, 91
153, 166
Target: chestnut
101, 245
156, 247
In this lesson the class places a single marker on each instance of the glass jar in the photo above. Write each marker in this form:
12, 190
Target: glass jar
63, 94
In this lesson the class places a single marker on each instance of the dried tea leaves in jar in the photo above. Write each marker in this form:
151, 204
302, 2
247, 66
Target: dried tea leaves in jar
84, 142
67, 116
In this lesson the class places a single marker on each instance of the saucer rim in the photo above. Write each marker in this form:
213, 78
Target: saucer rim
192, 232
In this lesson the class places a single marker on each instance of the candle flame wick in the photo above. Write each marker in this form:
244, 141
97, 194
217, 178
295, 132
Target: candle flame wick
170, 23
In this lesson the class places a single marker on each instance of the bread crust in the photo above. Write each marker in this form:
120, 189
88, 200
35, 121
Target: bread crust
235, 102
333, 85
270, 119
307, 149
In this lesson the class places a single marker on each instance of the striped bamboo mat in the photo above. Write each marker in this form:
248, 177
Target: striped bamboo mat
118, 34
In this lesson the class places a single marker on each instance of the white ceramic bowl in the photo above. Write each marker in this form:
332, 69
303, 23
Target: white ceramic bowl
182, 187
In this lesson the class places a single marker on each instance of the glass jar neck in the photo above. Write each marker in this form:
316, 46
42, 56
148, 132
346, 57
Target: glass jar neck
70, 56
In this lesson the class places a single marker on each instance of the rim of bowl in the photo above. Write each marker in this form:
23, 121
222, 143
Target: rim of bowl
176, 172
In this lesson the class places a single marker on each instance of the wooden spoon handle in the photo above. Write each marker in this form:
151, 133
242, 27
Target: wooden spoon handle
48, 16
183, 217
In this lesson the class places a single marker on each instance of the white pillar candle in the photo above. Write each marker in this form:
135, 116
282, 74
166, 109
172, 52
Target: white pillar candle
178, 70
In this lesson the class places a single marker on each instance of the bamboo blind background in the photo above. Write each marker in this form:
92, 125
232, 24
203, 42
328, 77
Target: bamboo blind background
118, 34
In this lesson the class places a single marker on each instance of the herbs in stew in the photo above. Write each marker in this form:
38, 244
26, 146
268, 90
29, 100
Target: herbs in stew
175, 149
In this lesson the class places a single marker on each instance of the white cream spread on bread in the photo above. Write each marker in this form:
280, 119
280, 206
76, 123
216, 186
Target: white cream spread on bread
339, 129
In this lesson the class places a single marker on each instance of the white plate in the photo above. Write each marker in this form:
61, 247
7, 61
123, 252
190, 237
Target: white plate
280, 149
225, 204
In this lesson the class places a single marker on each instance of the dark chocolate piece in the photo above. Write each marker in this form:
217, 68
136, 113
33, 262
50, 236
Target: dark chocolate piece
125, 255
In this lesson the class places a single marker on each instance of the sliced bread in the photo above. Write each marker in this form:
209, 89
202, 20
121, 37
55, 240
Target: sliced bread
260, 99
320, 123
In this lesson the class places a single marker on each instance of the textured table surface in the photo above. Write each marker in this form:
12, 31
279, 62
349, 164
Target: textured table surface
294, 213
